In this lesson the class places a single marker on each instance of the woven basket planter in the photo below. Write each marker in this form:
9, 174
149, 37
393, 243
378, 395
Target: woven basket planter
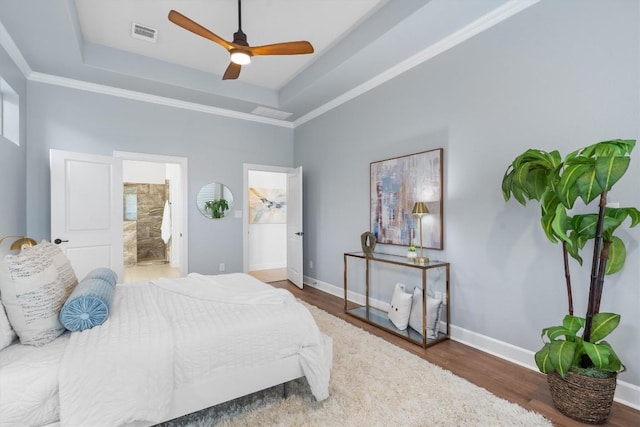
583, 398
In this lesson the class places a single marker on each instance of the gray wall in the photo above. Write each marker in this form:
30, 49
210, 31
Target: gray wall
13, 164
216, 148
558, 75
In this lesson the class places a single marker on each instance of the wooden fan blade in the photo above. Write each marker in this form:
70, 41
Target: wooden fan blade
189, 25
287, 48
232, 72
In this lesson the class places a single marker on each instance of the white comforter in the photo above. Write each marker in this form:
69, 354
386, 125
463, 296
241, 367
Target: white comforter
29, 383
178, 332
122, 370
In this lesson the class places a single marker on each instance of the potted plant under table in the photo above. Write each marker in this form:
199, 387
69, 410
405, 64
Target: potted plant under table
581, 366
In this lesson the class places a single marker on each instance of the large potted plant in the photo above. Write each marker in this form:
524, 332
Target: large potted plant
581, 366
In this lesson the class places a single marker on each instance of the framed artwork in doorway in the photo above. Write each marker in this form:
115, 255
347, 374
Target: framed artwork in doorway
267, 205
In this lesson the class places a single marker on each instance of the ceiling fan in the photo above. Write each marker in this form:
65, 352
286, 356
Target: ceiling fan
239, 49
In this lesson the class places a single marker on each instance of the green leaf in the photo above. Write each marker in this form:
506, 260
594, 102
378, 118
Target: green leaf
543, 361
555, 332
609, 170
546, 222
574, 248
567, 189
599, 355
507, 183
615, 147
549, 202
573, 323
537, 183
622, 213
560, 224
615, 365
603, 324
585, 225
561, 356
617, 256
588, 186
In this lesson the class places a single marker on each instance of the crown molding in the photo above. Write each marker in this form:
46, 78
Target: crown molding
154, 99
485, 22
14, 53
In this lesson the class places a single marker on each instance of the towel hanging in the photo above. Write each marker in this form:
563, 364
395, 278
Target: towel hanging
165, 228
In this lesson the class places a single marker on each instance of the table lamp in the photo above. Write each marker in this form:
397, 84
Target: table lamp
420, 209
22, 241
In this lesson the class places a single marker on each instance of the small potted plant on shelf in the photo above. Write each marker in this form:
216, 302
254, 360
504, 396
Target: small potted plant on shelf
218, 207
581, 366
411, 253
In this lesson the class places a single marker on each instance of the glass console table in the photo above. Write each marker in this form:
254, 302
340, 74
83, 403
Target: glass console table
376, 316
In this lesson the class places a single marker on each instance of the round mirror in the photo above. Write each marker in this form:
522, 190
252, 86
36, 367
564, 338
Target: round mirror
214, 200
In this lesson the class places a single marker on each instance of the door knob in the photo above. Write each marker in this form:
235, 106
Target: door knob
299, 233
58, 241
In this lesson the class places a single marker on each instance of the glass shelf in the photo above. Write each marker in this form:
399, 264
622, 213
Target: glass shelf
397, 259
378, 317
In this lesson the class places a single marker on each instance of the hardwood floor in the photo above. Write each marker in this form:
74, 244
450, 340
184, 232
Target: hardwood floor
509, 381
272, 275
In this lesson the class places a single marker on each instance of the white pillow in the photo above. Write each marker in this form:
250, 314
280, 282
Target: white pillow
400, 307
7, 334
34, 285
434, 307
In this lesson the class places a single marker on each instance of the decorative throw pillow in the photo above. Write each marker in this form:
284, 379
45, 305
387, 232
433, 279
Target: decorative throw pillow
34, 286
103, 273
400, 307
89, 303
434, 307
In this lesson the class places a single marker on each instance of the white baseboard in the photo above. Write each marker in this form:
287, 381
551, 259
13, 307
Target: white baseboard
626, 393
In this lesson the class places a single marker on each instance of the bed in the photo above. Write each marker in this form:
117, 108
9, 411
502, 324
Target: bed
168, 348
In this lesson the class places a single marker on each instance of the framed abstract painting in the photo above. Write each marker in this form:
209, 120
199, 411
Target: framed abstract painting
396, 185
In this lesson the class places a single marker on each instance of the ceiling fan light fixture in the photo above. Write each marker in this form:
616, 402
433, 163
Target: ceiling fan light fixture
240, 57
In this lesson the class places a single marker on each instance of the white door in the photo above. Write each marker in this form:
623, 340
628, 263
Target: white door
294, 227
86, 210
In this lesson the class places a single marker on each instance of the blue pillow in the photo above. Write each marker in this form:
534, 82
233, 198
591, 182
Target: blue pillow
89, 303
103, 273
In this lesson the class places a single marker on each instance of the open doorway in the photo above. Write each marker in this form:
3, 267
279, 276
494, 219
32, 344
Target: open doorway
267, 224
269, 243
154, 222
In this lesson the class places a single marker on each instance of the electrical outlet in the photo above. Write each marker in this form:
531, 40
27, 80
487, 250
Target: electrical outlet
311, 264
439, 295
221, 266
444, 297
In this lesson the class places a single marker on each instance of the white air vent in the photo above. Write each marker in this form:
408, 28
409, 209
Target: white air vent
144, 33
270, 112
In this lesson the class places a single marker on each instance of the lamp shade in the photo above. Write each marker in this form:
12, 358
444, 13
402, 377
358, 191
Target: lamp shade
22, 241
420, 208
25, 241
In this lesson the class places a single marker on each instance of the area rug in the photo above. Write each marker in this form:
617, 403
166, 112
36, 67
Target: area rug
373, 383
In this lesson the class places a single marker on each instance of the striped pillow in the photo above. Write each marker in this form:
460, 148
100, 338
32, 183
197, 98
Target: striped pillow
34, 285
